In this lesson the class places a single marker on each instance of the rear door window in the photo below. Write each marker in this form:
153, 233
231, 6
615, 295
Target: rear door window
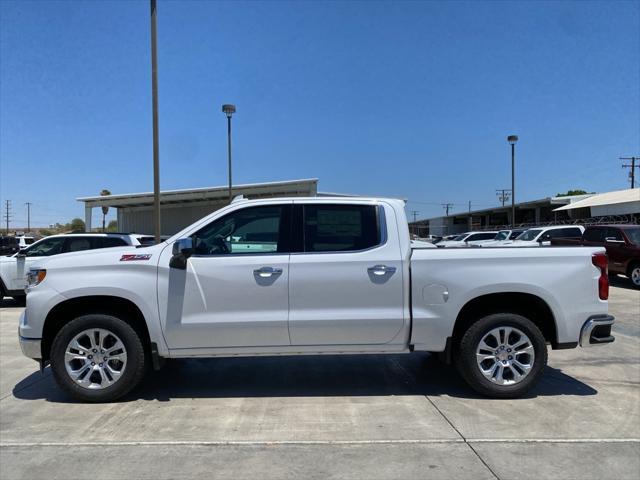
77, 244
106, 242
340, 228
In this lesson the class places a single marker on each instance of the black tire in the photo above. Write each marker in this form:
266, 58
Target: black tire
632, 267
465, 355
132, 374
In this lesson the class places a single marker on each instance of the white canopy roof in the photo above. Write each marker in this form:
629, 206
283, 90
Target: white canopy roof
630, 195
304, 187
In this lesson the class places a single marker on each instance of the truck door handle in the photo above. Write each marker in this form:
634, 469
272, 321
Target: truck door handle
381, 270
266, 272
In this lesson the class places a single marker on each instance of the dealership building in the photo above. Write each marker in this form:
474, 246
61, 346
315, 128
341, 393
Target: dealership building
180, 208
621, 206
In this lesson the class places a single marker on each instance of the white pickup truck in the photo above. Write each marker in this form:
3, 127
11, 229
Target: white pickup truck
310, 276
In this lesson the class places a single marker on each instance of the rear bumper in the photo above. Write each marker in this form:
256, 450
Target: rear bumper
596, 331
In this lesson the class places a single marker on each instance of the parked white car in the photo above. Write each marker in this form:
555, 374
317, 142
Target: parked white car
14, 268
540, 236
310, 276
502, 236
468, 238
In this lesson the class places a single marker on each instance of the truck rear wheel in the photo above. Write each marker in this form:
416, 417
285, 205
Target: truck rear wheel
97, 358
502, 355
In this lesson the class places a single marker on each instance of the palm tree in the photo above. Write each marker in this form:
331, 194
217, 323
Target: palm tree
105, 209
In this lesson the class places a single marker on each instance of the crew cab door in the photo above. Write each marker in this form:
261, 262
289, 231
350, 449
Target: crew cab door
234, 290
345, 281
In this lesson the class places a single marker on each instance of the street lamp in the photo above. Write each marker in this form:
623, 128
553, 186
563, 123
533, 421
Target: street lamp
512, 139
229, 110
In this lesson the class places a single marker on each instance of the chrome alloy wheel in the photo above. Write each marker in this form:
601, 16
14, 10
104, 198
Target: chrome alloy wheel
635, 276
95, 358
505, 355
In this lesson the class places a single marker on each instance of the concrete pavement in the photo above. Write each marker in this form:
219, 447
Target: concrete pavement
331, 417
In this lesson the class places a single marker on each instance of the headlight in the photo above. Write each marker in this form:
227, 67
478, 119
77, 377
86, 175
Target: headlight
36, 276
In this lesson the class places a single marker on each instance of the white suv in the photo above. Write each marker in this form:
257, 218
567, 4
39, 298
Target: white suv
14, 268
466, 239
541, 236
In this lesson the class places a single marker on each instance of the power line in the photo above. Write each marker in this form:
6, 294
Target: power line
632, 166
415, 215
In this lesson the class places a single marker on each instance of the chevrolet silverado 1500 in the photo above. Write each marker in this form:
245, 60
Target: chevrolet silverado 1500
310, 276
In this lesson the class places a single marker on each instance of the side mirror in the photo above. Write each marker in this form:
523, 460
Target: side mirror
182, 250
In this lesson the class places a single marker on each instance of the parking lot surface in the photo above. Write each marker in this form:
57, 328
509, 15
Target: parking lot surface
347, 417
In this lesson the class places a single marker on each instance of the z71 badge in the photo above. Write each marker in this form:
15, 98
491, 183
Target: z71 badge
134, 257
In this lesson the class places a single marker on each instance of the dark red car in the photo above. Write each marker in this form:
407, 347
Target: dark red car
622, 243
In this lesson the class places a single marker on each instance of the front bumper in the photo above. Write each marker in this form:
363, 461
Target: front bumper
31, 347
596, 331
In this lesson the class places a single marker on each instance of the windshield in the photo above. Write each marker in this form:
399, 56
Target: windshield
502, 235
529, 235
460, 238
633, 234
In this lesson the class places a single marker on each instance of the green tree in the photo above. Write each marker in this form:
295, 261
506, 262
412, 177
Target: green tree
105, 209
77, 225
572, 192
113, 226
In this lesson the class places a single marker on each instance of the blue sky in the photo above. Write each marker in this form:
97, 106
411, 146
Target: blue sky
408, 99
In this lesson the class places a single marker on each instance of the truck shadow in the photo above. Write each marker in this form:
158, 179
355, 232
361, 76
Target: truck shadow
303, 376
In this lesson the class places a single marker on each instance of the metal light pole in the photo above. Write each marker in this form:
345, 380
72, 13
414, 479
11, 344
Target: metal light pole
28, 204
229, 110
512, 139
154, 92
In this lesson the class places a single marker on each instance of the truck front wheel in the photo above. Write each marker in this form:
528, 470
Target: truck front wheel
97, 358
502, 355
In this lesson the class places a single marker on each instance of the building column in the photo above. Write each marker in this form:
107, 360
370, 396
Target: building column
87, 217
537, 215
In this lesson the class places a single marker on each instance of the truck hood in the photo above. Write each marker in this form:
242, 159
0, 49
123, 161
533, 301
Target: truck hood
102, 256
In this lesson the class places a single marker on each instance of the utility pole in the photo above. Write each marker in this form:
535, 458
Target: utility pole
503, 194
470, 216
633, 167
7, 213
154, 93
446, 207
28, 204
415, 216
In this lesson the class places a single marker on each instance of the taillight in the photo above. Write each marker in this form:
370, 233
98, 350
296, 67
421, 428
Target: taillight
600, 261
